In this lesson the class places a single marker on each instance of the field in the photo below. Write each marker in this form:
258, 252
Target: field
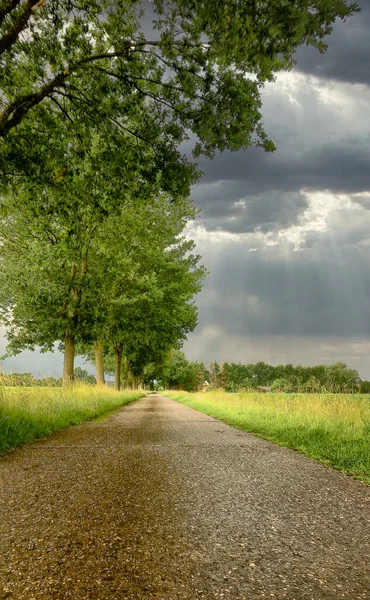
331, 428
34, 412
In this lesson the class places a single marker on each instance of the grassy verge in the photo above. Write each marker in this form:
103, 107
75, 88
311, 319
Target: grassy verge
331, 428
30, 413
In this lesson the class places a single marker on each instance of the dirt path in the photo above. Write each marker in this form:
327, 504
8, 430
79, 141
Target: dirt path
162, 502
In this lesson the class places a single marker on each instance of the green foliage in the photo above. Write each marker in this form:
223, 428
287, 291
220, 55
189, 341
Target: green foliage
93, 58
82, 376
336, 378
364, 387
92, 115
332, 428
32, 413
216, 380
174, 371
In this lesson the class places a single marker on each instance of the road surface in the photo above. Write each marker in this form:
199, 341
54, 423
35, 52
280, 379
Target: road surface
161, 502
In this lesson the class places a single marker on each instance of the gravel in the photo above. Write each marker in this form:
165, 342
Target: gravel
161, 502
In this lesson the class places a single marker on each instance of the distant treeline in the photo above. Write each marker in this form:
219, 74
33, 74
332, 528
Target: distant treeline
28, 380
176, 372
335, 378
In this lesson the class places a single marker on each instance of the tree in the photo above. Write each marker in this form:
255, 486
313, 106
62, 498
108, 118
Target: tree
202, 68
145, 278
215, 375
339, 378
83, 376
161, 316
365, 387
175, 371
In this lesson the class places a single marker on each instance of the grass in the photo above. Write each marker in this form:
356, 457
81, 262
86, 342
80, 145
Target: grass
331, 428
30, 413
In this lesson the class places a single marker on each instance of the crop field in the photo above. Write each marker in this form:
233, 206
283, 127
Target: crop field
28, 413
331, 428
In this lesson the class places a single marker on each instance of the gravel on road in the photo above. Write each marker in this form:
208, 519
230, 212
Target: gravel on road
161, 502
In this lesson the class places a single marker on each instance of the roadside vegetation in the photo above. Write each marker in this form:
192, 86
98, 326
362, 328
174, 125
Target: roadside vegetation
331, 428
29, 413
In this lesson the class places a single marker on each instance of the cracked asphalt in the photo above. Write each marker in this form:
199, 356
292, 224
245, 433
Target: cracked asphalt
161, 502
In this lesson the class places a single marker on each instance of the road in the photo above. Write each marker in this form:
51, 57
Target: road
161, 502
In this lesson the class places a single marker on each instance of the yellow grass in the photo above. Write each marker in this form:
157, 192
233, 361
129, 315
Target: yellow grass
27, 413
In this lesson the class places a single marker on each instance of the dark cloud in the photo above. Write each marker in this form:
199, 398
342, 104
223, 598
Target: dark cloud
321, 291
227, 206
323, 144
347, 58
259, 191
279, 305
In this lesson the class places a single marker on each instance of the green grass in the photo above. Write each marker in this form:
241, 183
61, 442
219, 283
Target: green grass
331, 428
30, 413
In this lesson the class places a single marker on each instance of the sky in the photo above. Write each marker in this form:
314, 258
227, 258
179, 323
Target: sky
286, 236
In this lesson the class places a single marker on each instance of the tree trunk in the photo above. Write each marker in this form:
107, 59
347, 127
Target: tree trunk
125, 370
117, 367
99, 362
131, 379
69, 359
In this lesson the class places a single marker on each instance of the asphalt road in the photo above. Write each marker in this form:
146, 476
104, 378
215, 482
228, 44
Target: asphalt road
162, 502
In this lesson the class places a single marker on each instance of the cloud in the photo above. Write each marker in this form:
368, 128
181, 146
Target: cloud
282, 305
323, 145
347, 58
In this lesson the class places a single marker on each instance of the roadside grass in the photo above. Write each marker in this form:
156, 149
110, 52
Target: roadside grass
331, 428
29, 413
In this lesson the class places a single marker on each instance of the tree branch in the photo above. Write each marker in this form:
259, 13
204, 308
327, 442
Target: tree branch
153, 96
140, 78
19, 24
135, 134
60, 107
15, 111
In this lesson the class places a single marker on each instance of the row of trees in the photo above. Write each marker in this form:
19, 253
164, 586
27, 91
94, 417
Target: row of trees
287, 378
123, 282
94, 188
175, 371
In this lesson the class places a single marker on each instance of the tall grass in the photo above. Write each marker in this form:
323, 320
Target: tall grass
30, 413
332, 428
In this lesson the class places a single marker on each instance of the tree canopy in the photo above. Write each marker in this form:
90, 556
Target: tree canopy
198, 66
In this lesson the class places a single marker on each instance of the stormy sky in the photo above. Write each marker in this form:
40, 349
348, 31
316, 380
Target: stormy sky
286, 236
